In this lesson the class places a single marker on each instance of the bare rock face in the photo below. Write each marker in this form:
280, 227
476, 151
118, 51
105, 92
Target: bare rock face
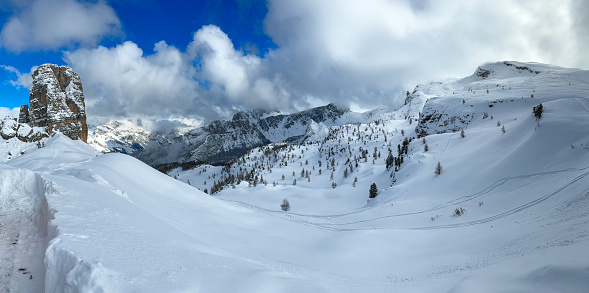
23, 115
9, 129
56, 101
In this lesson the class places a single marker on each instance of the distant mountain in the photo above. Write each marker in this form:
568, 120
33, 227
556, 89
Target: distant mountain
123, 136
221, 140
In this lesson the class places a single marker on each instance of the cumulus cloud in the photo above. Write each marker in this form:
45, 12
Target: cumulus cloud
374, 50
121, 81
211, 79
360, 55
52, 24
23, 80
236, 77
13, 113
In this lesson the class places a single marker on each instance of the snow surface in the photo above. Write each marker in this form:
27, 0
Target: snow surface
84, 221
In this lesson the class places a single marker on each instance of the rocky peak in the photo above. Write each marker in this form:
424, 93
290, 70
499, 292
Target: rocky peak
23, 115
56, 101
481, 72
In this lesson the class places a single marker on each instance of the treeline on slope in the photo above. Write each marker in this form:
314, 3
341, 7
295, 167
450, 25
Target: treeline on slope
166, 168
250, 166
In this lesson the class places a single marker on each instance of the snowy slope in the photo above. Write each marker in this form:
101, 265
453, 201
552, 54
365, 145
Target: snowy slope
109, 223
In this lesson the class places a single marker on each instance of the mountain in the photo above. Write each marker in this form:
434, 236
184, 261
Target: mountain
507, 211
119, 136
220, 141
56, 102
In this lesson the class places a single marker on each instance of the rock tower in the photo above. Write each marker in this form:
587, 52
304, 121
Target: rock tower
56, 101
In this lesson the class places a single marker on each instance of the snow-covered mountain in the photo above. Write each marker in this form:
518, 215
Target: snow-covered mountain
508, 210
119, 136
221, 141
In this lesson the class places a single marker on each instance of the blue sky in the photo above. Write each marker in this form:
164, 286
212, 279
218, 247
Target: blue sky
209, 59
146, 23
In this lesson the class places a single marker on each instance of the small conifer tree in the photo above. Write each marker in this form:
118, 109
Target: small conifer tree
373, 192
438, 169
285, 205
538, 111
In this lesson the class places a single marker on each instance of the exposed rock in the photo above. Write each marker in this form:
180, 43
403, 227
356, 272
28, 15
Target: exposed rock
57, 101
484, 73
9, 129
23, 115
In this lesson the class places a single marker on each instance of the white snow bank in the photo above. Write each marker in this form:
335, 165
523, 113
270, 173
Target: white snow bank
23, 226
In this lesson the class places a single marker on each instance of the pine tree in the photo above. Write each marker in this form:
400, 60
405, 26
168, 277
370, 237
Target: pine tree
389, 161
425, 148
538, 111
462, 133
438, 169
285, 205
373, 192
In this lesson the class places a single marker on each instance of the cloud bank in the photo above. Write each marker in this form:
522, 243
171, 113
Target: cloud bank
359, 54
52, 24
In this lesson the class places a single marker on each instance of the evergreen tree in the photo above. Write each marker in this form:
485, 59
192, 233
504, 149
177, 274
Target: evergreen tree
373, 192
438, 169
538, 111
285, 205
389, 161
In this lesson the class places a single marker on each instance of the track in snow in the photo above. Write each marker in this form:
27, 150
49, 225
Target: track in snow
297, 218
22, 241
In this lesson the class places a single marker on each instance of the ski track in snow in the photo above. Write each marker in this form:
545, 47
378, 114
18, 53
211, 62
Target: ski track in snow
293, 217
22, 241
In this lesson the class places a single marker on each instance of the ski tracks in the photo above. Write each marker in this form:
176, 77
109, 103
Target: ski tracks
339, 227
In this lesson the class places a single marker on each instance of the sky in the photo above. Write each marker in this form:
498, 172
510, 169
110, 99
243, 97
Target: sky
209, 59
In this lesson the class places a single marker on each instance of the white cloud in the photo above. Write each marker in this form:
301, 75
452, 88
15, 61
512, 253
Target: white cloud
23, 79
371, 51
53, 24
236, 78
9, 112
360, 54
121, 81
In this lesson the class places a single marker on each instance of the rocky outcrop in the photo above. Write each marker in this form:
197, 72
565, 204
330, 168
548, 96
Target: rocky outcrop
56, 101
9, 129
484, 73
23, 115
